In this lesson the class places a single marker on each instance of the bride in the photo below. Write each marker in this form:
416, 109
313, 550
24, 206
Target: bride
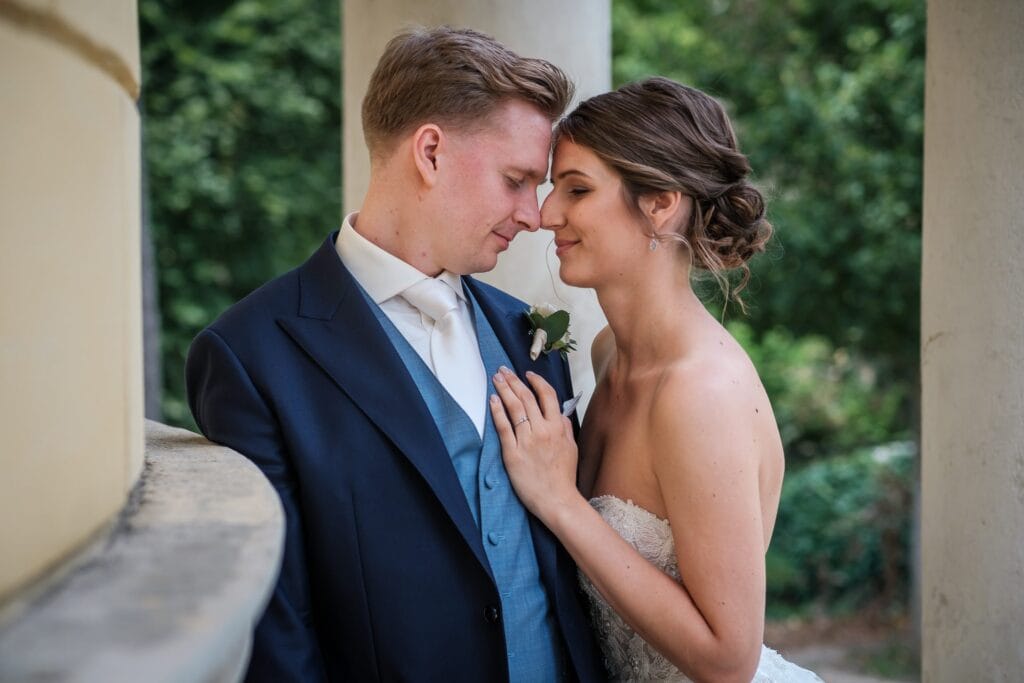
679, 454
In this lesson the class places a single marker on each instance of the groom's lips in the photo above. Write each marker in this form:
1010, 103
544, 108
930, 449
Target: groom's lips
562, 246
505, 241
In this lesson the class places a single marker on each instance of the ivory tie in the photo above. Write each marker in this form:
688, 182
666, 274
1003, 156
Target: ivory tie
454, 352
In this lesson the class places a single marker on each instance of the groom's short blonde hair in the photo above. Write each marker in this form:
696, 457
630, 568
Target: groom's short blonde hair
454, 77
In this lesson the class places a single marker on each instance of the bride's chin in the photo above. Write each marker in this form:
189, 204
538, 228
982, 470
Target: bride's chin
571, 278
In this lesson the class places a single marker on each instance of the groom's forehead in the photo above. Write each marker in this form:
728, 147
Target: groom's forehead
524, 158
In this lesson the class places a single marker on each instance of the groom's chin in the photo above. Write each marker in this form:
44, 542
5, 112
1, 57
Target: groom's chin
485, 263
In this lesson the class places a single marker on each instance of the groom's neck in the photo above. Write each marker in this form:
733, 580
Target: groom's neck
397, 223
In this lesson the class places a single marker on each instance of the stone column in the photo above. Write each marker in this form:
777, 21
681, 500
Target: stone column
575, 35
70, 307
972, 343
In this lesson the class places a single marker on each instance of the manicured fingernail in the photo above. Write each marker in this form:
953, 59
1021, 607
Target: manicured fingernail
504, 369
494, 399
531, 373
499, 378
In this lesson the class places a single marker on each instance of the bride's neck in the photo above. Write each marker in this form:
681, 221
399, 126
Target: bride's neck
653, 317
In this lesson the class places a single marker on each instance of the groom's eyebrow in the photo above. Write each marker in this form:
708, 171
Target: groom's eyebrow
530, 173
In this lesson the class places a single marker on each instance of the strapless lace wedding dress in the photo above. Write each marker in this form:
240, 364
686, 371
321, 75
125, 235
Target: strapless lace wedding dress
626, 655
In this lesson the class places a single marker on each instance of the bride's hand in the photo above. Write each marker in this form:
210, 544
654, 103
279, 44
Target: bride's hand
536, 442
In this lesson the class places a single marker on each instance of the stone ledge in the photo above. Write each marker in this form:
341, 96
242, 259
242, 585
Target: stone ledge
173, 590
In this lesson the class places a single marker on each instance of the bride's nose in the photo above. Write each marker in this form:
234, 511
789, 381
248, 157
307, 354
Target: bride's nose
551, 215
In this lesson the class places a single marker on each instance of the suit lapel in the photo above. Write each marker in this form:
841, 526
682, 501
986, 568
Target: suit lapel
337, 329
512, 329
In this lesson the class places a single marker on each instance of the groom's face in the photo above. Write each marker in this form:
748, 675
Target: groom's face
490, 193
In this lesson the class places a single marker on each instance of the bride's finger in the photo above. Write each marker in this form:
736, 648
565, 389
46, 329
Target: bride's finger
506, 435
523, 393
517, 413
546, 396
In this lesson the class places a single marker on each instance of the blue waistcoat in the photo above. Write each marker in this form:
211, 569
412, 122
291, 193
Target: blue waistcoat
531, 637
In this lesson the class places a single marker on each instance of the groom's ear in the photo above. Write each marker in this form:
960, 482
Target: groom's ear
427, 142
666, 210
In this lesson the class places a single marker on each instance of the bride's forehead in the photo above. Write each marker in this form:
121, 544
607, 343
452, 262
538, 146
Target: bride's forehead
569, 156
567, 148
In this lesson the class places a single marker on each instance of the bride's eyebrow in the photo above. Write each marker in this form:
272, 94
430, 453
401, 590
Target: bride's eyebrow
571, 171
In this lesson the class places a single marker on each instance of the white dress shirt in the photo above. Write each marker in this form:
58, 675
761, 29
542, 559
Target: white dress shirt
384, 277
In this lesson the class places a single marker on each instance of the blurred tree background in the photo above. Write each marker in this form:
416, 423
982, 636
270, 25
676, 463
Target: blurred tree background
242, 150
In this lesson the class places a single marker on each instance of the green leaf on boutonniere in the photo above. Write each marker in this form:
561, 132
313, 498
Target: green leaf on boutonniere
556, 324
550, 331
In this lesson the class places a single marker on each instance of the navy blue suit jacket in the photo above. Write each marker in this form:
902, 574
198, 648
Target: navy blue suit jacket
384, 577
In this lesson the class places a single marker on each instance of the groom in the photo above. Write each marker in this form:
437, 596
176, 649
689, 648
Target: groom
358, 384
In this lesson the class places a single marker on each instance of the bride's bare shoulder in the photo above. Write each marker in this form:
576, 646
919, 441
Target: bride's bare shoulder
712, 393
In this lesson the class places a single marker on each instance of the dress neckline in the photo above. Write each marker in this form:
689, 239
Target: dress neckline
629, 503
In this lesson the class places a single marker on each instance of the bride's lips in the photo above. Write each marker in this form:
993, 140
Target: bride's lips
562, 246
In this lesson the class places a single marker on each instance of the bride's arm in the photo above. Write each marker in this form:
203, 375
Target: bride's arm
711, 626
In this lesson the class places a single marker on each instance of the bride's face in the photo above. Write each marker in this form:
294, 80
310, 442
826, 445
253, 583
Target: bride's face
598, 236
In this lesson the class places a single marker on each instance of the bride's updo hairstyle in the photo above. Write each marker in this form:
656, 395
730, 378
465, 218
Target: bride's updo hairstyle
659, 136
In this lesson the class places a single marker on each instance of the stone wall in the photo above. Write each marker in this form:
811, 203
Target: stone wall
972, 343
70, 306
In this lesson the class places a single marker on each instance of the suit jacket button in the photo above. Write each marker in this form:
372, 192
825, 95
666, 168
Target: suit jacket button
491, 614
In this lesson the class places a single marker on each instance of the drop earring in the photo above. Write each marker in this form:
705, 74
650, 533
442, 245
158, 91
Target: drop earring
653, 245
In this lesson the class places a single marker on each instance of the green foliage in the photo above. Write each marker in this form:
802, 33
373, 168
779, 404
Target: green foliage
826, 400
842, 535
827, 98
241, 106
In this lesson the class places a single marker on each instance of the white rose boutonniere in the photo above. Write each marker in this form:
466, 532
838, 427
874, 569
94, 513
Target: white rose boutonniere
550, 331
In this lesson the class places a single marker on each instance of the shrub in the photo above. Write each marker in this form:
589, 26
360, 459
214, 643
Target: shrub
826, 400
842, 536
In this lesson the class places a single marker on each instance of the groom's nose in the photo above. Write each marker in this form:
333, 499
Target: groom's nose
527, 213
